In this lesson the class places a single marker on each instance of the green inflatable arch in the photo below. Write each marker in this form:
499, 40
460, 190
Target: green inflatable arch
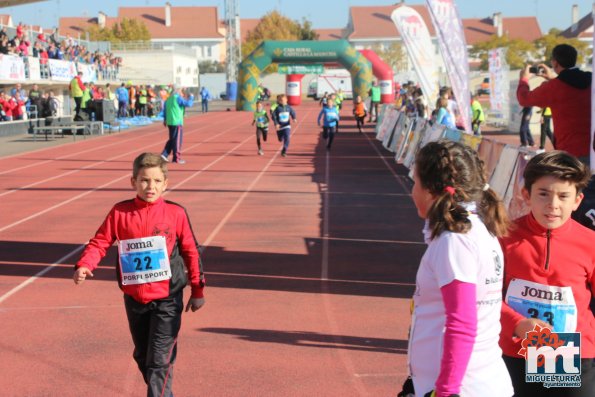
301, 52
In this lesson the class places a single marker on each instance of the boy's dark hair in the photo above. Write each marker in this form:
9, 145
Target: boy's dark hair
454, 174
565, 55
148, 160
560, 165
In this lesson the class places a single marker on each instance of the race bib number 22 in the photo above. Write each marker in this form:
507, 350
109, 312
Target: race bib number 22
144, 260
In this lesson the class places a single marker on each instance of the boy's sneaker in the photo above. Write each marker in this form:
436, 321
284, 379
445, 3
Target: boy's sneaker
283, 153
164, 157
260, 152
180, 161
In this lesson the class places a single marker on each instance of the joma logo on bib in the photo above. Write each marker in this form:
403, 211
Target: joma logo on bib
543, 294
139, 245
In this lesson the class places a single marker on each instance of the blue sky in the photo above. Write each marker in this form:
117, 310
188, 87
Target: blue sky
323, 14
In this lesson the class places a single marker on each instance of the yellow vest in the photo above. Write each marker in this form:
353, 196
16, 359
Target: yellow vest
75, 90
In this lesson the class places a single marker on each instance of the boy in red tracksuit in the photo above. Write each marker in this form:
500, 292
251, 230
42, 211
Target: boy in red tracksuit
549, 273
156, 246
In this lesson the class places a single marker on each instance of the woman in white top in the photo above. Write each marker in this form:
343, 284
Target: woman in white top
453, 344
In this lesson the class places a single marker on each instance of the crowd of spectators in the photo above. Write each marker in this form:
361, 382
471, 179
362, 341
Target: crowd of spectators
18, 104
54, 46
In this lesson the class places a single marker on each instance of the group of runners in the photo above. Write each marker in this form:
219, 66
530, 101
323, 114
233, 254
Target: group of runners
483, 284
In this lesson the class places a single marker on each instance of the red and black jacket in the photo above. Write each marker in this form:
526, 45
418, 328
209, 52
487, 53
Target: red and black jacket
137, 218
562, 257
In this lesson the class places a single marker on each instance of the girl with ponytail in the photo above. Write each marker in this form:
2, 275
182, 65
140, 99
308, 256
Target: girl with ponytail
456, 305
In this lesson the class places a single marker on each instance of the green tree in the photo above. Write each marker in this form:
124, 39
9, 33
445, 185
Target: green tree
126, 30
546, 44
211, 67
394, 55
304, 30
275, 26
520, 52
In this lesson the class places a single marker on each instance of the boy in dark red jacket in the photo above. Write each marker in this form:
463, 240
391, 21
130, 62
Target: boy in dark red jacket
549, 272
156, 245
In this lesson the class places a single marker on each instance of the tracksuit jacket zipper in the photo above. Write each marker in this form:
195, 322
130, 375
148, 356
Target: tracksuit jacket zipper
141, 287
548, 235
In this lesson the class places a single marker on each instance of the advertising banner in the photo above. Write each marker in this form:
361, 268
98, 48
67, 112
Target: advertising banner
11, 68
34, 68
61, 70
451, 39
416, 37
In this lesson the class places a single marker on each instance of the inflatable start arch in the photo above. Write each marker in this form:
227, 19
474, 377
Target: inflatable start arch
301, 52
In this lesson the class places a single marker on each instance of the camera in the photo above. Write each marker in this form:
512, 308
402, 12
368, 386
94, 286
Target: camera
536, 70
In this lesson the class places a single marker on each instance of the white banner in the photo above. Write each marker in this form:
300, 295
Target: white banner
451, 39
34, 68
61, 70
416, 37
11, 68
89, 72
499, 84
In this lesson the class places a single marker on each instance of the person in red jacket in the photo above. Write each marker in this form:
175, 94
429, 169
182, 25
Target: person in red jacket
156, 246
8, 105
567, 92
549, 270
18, 107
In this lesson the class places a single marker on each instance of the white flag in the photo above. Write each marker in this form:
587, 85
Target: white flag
416, 37
451, 39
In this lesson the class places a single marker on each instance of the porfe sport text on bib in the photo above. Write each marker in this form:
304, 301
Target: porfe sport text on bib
554, 305
144, 260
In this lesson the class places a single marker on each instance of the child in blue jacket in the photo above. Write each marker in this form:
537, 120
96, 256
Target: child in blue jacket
330, 118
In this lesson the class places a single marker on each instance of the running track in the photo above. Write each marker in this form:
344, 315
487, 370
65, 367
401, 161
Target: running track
310, 264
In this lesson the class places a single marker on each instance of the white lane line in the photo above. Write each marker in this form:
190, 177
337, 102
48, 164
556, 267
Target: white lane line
78, 249
63, 203
39, 274
244, 195
127, 175
325, 220
383, 158
77, 307
313, 279
363, 240
90, 166
91, 150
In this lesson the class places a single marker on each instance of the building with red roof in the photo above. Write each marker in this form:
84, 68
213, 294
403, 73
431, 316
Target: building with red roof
195, 27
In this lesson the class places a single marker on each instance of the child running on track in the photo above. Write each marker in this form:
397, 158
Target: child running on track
262, 125
330, 116
156, 247
551, 253
360, 112
458, 295
281, 118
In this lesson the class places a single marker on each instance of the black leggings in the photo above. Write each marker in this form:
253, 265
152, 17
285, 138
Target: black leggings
360, 121
260, 131
328, 133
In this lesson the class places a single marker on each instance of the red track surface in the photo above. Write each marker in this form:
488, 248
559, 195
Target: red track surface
310, 264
